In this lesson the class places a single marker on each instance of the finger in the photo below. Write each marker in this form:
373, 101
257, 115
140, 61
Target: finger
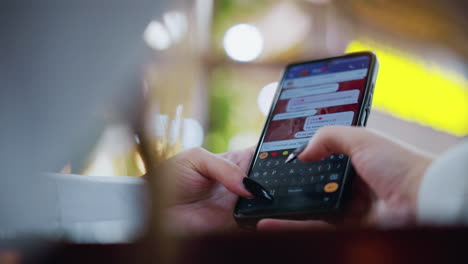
241, 158
218, 169
290, 225
335, 139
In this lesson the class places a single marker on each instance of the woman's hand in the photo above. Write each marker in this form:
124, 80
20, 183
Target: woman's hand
385, 193
204, 189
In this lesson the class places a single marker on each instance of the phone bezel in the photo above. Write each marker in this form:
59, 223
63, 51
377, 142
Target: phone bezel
361, 120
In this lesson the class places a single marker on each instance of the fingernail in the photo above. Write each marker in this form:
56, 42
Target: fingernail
256, 189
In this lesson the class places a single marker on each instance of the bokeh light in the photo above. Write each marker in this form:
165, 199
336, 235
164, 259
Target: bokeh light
265, 97
243, 42
243, 140
176, 24
192, 135
175, 126
157, 36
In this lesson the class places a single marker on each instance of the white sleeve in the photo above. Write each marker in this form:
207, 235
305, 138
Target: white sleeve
443, 195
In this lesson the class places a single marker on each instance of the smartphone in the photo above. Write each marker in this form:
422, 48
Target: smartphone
312, 94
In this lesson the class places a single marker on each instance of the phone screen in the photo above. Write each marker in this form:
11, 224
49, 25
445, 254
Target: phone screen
311, 95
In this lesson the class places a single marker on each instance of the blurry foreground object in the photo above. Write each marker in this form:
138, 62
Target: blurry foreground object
67, 69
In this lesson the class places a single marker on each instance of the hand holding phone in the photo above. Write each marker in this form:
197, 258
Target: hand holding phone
391, 177
332, 91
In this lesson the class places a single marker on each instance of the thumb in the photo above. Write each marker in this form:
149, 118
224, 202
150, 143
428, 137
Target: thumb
336, 139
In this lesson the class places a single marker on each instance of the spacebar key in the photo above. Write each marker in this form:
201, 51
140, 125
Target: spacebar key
308, 189
295, 190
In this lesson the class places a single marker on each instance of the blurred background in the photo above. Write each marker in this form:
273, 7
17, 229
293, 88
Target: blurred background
214, 65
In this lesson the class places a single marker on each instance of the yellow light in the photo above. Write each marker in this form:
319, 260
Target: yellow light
412, 89
139, 163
